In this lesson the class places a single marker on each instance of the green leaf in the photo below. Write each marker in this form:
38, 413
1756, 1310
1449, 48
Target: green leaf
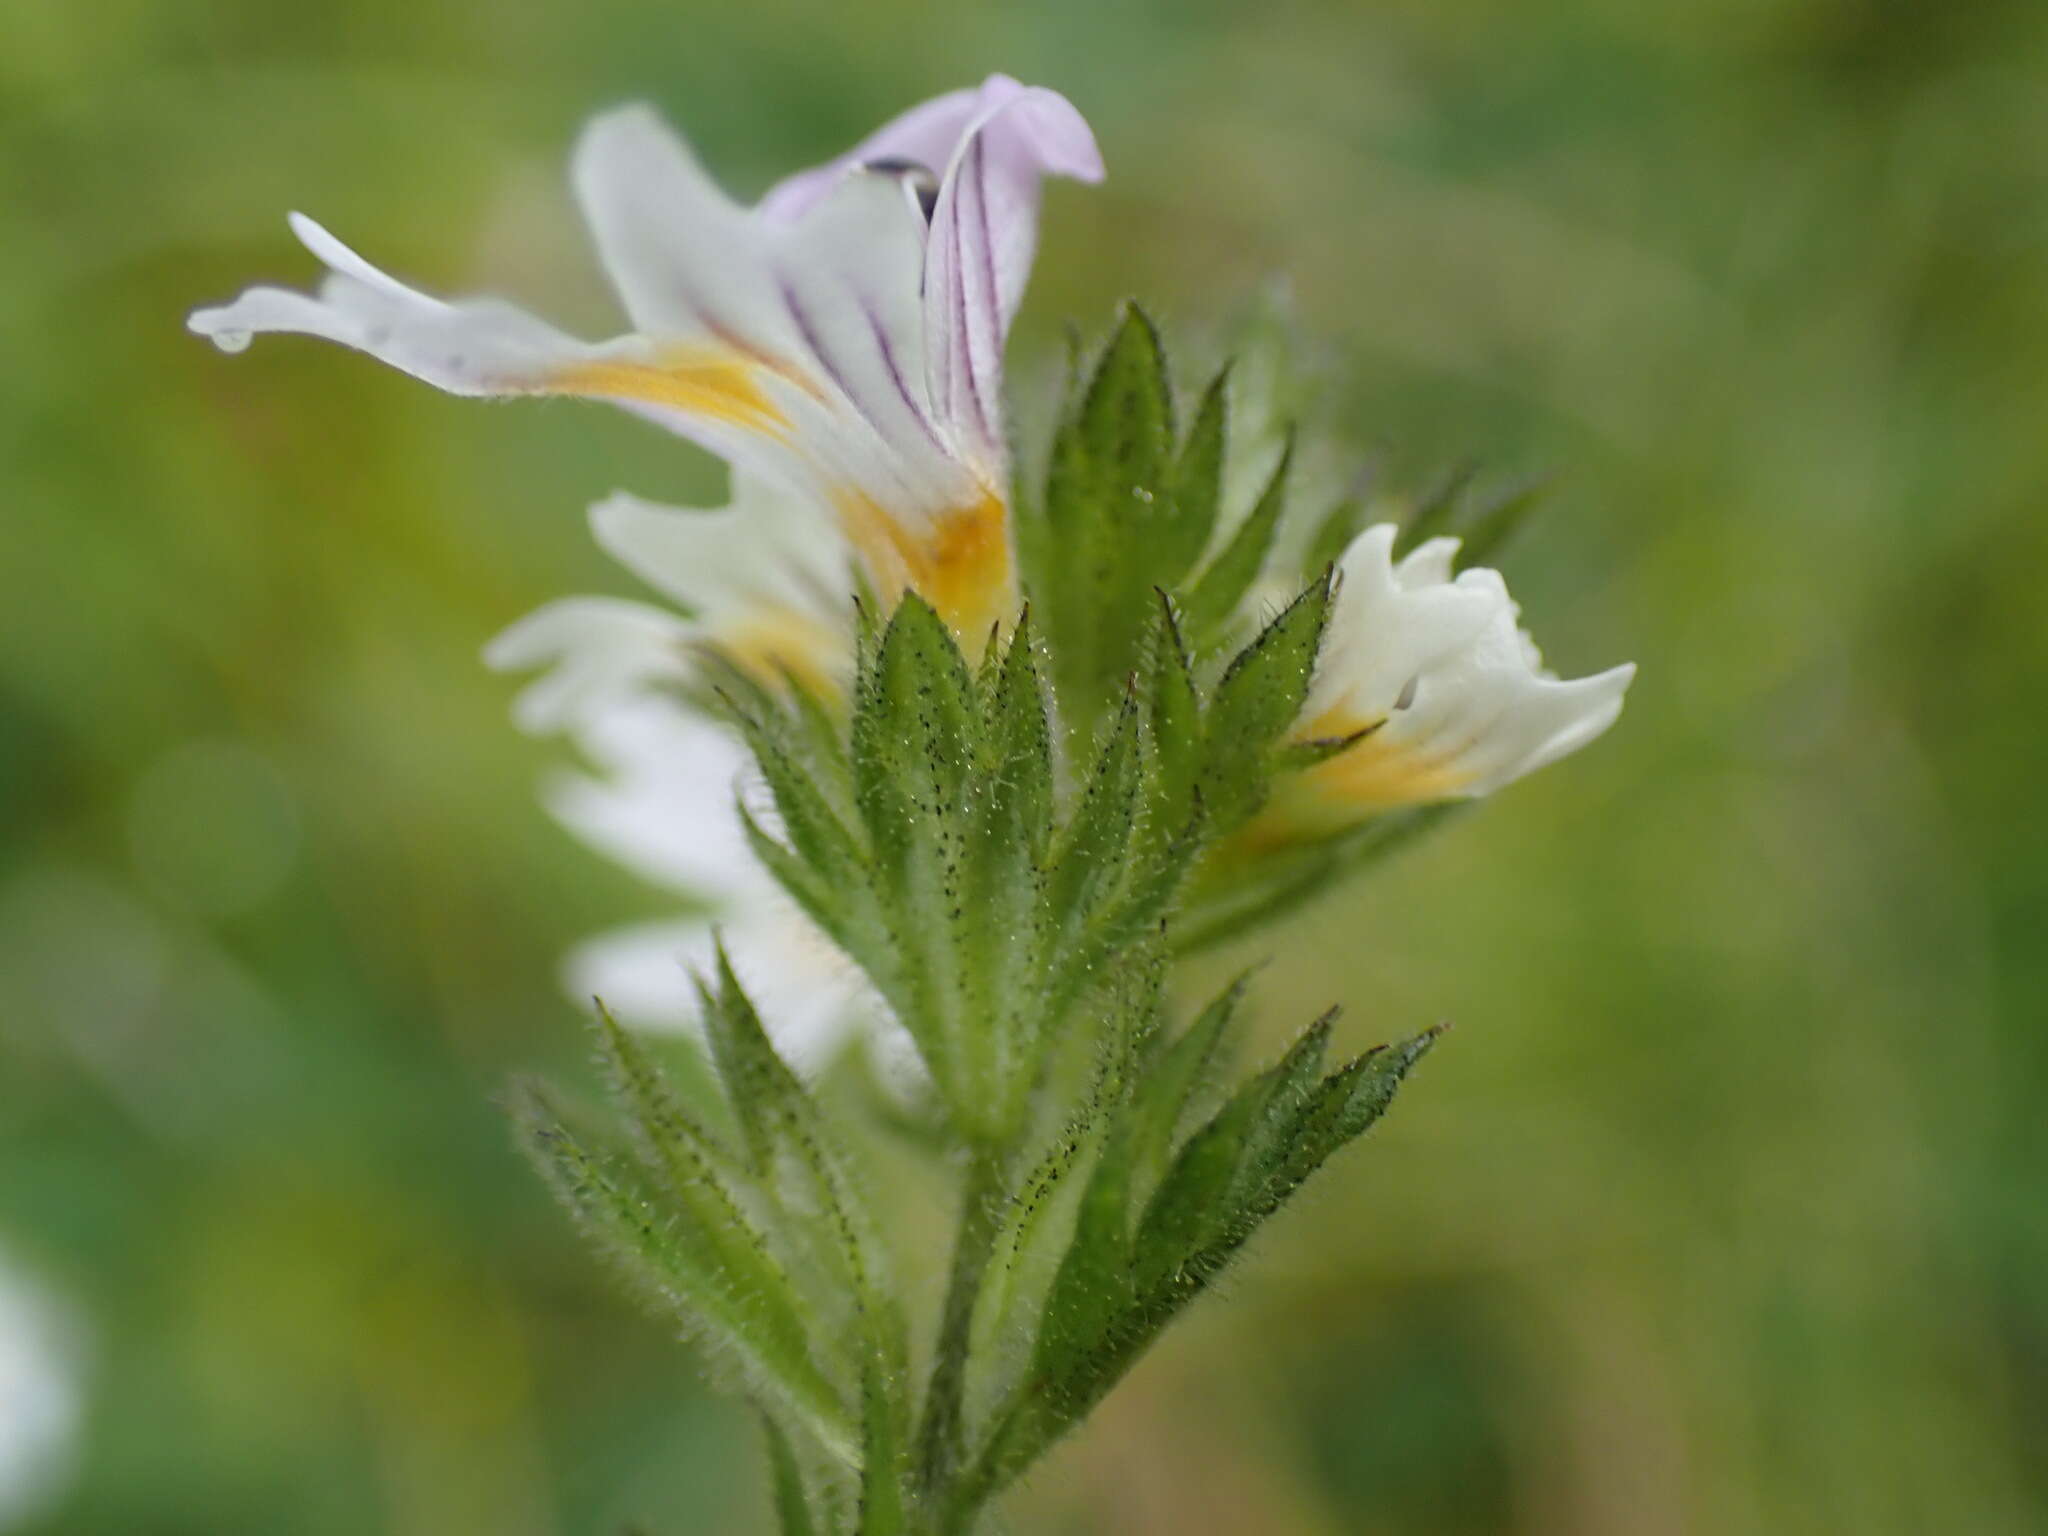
1002, 933
1295, 756
1033, 1231
1176, 735
1170, 1084
1125, 424
792, 1504
1110, 516
812, 824
678, 1274
1197, 1204
787, 1137
1196, 487
1232, 1174
1258, 698
1272, 1140
1091, 854
1212, 601
702, 1185
1347, 1104
882, 1507
1094, 1286
914, 729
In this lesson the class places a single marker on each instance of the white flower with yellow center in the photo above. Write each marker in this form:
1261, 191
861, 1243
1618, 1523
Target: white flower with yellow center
1448, 690
841, 341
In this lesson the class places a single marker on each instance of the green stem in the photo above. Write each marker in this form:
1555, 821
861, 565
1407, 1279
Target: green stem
938, 1440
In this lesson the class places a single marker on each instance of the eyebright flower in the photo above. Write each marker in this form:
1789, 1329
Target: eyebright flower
1444, 689
841, 341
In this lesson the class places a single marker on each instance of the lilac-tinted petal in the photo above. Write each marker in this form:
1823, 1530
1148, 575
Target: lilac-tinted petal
925, 135
984, 234
823, 313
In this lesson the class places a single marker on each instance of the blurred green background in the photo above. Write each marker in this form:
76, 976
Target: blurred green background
1724, 1208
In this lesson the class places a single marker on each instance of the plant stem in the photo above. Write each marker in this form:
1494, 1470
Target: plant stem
938, 1439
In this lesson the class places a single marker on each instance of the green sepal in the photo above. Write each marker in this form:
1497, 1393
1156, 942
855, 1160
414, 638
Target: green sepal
1294, 756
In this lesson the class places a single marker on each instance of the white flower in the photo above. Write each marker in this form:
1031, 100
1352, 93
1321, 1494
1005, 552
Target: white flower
1438, 671
663, 804
840, 342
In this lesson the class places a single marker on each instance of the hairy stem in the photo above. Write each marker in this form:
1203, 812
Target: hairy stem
938, 1440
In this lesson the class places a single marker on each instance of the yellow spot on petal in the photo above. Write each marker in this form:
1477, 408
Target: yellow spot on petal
960, 563
770, 643
702, 383
1379, 773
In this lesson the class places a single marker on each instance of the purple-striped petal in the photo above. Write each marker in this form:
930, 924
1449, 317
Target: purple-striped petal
983, 236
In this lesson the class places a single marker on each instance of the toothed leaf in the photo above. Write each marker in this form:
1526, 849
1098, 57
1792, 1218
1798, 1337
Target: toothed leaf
1213, 599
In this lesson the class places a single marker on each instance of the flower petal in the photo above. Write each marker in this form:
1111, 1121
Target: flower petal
475, 348
1382, 634
662, 801
486, 347
926, 135
823, 310
1451, 686
761, 550
644, 974
984, 234
598, 651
